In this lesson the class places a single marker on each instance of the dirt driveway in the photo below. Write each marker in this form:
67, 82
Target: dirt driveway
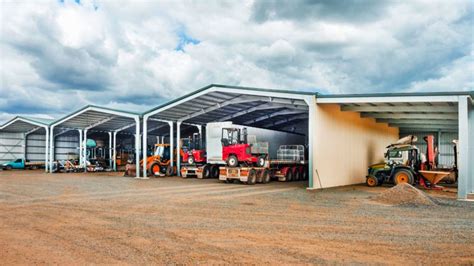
105, 218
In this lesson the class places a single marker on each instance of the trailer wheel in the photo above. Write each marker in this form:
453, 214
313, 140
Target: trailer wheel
232, 161
289, 175
214, 171
372, 181
206, 171
191, 160
252, 177
403, 176
266, 176
297, 174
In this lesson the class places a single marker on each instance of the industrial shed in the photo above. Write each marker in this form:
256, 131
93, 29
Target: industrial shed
24, 137
345, 133
94, 119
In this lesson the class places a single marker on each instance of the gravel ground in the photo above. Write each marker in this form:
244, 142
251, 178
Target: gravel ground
106, 218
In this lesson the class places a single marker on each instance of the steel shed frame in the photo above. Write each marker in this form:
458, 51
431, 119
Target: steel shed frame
97, 118
260, 107
25, 125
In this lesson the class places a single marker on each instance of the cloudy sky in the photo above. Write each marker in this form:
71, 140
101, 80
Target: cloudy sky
56, 56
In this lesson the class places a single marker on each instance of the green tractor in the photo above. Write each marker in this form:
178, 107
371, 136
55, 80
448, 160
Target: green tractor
402, 162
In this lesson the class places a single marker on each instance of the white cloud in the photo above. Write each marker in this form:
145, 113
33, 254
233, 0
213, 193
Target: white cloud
55, 57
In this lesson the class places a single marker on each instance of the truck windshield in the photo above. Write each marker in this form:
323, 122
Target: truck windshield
18, 161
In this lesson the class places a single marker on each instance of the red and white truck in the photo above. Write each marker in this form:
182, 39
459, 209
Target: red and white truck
233, 153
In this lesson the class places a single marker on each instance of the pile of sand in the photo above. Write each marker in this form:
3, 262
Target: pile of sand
404, 194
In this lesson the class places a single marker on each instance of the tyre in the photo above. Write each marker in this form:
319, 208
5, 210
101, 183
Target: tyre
232, 161
169, 170
8, 167
206, 171
304, 174
297, 175
403, 176
266, 176
191, 160
154, 169
214, 171
372, 181
252, 179
261, 161
289, 175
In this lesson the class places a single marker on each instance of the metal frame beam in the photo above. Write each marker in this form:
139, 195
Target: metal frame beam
398, 109
274, 114
410, 116
387, 99
285, 120
418, 121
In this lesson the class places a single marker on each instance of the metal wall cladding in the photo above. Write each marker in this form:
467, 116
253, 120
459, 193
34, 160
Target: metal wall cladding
66, 145
445, 147
11, 146
35, 148
274, 138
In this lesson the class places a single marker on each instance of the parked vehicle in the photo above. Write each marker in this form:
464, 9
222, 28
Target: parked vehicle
404, 163
235, 147
22, 164
192, 151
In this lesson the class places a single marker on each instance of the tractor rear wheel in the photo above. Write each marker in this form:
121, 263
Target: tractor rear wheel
372, 181
155, 169
403, 176
191, 160
232, 161
252, 178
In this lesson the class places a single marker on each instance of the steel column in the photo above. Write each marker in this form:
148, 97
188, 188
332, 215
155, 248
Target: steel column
25, 139
144, 148
46, 151
110, 149
115, 151
51, 149
80, 147
178, 148
311, 101
84, 151
171, 143
463, 160
137, 147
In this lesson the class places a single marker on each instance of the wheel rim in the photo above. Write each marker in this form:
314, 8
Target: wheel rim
402, 178
371, 182
232, 161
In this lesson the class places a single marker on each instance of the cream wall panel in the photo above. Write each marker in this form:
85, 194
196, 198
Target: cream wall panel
346, 144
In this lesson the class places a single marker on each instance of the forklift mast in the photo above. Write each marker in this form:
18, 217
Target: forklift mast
430, 152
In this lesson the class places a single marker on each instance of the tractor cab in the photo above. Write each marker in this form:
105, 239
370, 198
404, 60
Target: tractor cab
162, 152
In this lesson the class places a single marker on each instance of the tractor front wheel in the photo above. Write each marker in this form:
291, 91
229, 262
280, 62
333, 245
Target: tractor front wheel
403, 176
232, 161
155, 169
372, 181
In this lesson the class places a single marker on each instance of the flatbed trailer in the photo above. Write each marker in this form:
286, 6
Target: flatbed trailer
281, 170
200, 171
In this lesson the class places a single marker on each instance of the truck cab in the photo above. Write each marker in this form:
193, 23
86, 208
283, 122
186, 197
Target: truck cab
16, 164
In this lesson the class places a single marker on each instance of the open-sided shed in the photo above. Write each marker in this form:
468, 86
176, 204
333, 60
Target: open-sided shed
23, 127
100, 119
263, 108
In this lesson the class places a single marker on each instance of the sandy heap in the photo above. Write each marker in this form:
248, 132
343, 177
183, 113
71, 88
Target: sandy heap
404, 194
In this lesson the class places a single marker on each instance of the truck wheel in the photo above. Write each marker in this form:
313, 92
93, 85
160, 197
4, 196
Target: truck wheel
261, 161
191, 160
304, 174
169, 170
232, 161
206, 171
403, 176
372, 181
252, 177
8, 167
154, 169
214, 171
266, 176
289, 175
297, 175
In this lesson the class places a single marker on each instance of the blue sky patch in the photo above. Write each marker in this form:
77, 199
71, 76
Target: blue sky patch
185, 39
